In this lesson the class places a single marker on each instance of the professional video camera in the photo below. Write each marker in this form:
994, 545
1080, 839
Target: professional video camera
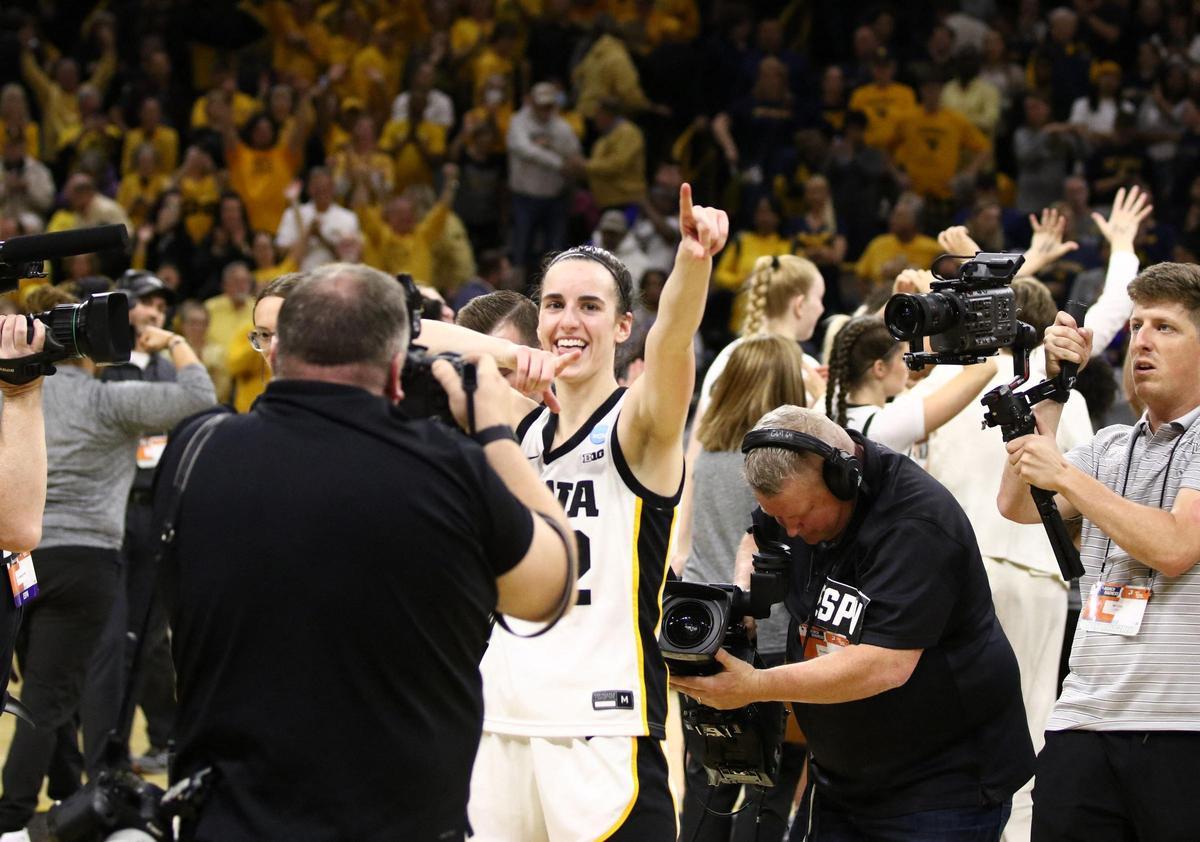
97, 327
741, 746
972, 316
966, 317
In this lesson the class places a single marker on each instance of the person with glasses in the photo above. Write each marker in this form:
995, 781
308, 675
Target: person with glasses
248, 364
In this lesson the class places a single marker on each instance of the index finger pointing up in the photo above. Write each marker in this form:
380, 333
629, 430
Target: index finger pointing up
685, 203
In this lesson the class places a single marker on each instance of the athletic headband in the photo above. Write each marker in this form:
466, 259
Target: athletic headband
597, 255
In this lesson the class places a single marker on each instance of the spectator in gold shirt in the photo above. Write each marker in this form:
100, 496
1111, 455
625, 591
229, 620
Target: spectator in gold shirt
141, 187
934, 145
616, 169
883, 100
396, 239
57, 96
153, 131
262, 166
416, 144
299, 41
903, 240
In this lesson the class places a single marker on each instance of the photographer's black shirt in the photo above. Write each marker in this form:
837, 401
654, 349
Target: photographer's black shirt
907, 574
335, 571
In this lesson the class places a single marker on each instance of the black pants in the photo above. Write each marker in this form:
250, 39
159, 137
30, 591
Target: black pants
58, 635
109, 668
1117, 786
766, 817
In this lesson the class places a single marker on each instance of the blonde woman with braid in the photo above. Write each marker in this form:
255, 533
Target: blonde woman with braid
867, 379
783, 298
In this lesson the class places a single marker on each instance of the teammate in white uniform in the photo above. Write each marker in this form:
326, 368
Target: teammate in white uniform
573, 719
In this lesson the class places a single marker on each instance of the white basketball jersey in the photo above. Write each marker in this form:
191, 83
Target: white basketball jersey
599, 671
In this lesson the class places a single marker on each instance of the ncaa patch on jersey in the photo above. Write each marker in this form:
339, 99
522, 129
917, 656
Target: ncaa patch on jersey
599, 434
612, 700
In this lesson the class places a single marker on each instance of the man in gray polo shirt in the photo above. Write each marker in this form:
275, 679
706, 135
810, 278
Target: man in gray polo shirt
1123, 744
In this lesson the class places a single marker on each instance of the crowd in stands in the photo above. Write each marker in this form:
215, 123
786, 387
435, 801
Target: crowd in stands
462, 141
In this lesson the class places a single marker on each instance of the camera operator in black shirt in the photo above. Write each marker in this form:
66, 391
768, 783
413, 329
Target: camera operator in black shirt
336, 566
899, 673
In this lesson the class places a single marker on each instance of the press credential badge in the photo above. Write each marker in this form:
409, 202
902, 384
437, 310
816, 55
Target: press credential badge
22, 578
1115, 609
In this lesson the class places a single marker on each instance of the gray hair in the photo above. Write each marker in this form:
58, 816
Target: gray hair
769, 469
344, 314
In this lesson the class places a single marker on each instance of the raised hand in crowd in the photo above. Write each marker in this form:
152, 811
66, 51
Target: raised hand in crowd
957, 240
916, 280
1130, 208
1047, 245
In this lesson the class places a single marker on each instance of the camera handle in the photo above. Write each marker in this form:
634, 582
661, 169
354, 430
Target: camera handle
1012, 412
21, 370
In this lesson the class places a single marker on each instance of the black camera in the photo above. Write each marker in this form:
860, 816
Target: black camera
120, 805
97, 327
424, 396
966, 317
741, 746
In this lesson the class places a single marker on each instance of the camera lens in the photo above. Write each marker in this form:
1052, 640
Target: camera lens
687, 624
904, 317
97, 328
101, 329
910, 316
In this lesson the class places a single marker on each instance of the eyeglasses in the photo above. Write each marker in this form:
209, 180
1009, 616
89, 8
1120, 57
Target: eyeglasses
261, 340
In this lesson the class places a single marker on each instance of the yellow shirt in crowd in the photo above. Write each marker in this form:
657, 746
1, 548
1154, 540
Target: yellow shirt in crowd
243, 107
264, 276
920, 252
260, 176
929, 147
607, 70
394, 253
227, 322
883, 106
33, 136
165, 141
302, 62
616, 169
60, 110
248, 369
138, 195
410, 166
201, 196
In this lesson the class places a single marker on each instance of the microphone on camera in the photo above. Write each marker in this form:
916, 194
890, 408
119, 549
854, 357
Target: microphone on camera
37, 247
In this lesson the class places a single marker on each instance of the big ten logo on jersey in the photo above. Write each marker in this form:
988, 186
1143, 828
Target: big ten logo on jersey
576, 498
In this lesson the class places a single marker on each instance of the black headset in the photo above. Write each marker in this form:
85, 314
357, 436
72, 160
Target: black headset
841, 471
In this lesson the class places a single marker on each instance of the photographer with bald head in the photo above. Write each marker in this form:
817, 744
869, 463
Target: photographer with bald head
372, 545
898, 671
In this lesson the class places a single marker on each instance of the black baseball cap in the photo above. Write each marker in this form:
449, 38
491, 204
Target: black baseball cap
144, 285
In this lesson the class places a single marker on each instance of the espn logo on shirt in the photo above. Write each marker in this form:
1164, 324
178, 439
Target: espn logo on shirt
840, 609
612, 700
